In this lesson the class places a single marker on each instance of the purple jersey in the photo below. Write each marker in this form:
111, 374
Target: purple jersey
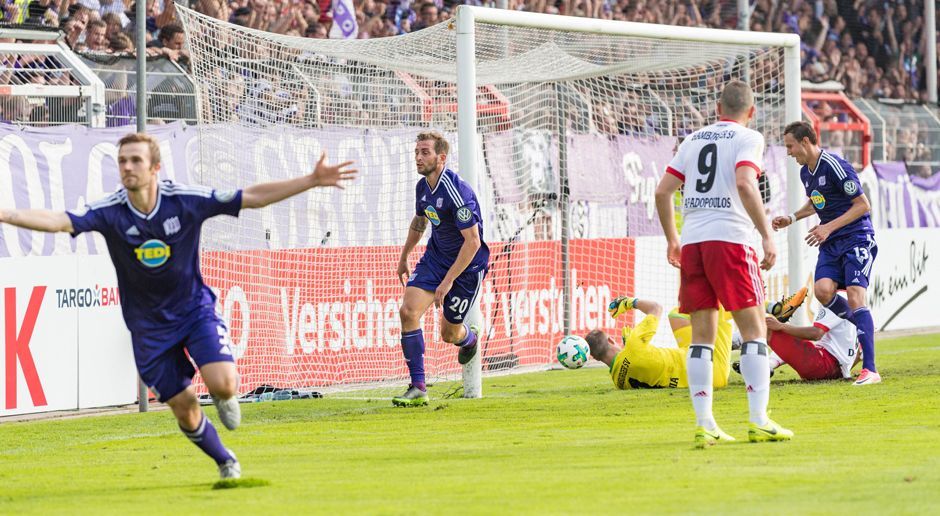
450, 207
831, 188
156, 255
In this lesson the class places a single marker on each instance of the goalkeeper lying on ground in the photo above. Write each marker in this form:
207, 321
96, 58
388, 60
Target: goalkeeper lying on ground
639, 364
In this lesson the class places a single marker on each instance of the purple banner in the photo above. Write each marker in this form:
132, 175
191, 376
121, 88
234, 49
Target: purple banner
63, 168
903, 200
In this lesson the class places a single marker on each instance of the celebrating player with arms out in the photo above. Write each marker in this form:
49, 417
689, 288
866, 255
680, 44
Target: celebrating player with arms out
640, 364
152, 230
719, 166
845, 236
451, 272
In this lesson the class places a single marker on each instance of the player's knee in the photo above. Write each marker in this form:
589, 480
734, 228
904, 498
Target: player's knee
408, 315
224, 388
824, 292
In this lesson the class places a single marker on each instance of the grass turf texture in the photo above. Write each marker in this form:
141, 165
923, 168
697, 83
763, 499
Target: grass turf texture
550, 442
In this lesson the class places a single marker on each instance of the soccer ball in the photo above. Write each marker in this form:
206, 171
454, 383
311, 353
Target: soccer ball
572, 352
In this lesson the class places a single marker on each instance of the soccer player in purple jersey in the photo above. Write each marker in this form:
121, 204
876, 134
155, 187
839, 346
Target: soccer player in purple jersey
845, 235
152, 230
451, 272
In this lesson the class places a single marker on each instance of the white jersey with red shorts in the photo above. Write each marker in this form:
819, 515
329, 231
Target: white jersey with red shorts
832, 357
719, 263
840, 339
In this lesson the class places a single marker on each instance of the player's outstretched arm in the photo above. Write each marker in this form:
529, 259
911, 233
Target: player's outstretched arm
263, 194
38, 220
415, 231
785, 220
801, 332
649, 307
750, 198
667, 216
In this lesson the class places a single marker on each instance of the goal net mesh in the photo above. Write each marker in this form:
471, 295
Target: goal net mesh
573, 128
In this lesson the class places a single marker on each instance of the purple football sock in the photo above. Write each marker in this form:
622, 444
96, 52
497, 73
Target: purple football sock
840, 307
866, 337
469, 340
207, 439
412, 346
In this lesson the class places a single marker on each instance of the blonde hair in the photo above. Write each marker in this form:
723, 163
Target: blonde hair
151, 142
440, 143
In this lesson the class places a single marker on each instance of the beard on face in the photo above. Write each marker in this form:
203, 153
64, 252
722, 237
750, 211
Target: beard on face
428, 168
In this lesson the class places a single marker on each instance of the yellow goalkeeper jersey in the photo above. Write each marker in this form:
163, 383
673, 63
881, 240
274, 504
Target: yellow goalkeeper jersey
643, 365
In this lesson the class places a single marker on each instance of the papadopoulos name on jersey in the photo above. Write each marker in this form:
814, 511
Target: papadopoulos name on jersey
708, 202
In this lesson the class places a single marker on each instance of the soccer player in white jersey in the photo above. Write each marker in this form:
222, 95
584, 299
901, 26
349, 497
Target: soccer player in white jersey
718, 166
152, 229
827, 350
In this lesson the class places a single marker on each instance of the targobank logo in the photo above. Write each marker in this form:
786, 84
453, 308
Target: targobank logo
153, 253
431, 214
818, 200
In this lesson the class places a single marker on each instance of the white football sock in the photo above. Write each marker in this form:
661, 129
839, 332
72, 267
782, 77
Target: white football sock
699, 371
755, 369
774, 360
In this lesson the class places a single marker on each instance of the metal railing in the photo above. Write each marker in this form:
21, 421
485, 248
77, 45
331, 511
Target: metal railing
904, 131
43, 83
171, 95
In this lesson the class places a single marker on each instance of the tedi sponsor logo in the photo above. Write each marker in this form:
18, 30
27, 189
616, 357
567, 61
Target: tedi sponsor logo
87, 297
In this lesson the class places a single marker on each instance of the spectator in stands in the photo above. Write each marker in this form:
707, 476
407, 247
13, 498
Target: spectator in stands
316, 31
120, 43
74, 28
114, 24
428, 16
172, 40
95, 39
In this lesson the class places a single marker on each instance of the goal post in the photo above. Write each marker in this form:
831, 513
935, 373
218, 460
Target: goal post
562, 125
467, 18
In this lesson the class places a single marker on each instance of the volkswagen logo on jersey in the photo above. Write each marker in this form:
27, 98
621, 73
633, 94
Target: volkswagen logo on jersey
818, 200
431, 214
850, 187
153, 253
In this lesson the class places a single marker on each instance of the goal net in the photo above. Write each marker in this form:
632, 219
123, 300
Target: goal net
574, 130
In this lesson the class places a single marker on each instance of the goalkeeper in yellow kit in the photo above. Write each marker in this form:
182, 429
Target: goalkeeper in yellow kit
639, 364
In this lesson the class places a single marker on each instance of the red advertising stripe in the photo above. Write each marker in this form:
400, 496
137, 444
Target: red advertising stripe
327, 316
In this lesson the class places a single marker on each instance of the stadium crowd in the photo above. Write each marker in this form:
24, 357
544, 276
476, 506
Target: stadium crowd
874, 48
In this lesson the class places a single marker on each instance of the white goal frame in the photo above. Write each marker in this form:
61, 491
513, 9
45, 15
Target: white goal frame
469, 16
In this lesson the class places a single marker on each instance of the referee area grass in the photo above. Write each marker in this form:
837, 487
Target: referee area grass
548, 442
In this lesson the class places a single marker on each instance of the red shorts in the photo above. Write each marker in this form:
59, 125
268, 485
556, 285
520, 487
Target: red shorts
719, 272
809, 361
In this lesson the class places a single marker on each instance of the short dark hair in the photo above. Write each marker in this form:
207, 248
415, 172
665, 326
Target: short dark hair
170, 30
800, 130
597, 343
736, 98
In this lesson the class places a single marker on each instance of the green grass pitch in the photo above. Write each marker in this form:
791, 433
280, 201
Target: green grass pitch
550, 442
